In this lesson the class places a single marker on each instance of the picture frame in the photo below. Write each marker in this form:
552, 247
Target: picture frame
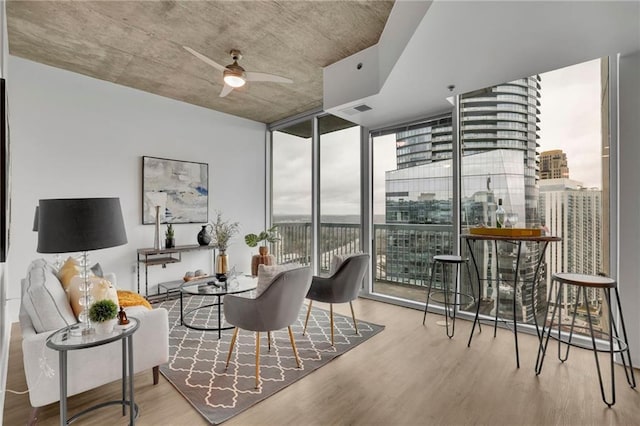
180, 188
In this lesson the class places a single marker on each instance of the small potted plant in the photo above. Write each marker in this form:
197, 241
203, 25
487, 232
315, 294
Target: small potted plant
169, 241
103, 315
270, 236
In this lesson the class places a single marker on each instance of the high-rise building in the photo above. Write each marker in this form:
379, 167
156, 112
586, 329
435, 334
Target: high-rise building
498, 127
554, 165
574, 213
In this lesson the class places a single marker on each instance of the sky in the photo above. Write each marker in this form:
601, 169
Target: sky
569, 120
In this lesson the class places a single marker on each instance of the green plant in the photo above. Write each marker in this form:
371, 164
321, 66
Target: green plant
103, 310
169, 232
270, 236
223, 230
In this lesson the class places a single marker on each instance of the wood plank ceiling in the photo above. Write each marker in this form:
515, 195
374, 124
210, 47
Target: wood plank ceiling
139, 44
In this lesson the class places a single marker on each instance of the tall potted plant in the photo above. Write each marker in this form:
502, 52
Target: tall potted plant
222, 231
270, 236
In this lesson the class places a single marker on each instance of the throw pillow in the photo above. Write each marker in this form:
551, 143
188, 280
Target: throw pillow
129, 298
101, 289
97, 270
67, 271
266, 274
44, 298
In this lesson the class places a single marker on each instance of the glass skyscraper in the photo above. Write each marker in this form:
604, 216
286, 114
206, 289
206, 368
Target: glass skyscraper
498, 128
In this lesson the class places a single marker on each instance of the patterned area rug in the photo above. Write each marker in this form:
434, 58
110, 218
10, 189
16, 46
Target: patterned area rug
197, 358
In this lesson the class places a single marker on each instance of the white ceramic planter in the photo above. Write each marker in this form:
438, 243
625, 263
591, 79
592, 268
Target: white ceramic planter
105, 327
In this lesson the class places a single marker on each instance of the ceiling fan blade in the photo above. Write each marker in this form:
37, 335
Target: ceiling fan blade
226, 90
205, 59
261, 76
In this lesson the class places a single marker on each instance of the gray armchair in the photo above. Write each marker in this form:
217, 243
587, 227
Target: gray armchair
277, 307
341, 287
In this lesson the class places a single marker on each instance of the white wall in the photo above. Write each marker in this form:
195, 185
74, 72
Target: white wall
75, 136
629, 197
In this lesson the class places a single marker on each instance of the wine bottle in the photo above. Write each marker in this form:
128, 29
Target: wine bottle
500, 214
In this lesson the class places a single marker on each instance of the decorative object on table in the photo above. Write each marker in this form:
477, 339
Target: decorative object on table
263, 257
500, 213
122, 317
507, 232
183, 184
169, 240
103, 313
204, 236
198, 274
156, 237
222, 232
80, 224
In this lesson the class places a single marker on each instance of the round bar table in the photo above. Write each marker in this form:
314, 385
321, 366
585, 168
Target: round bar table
544, 240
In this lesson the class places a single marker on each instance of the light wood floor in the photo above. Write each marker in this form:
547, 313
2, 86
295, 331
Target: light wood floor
408, 374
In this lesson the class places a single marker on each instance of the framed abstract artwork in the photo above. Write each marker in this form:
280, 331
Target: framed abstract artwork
180, 188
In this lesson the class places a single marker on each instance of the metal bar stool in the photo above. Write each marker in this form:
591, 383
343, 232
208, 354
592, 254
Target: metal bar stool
614, 344
451, 297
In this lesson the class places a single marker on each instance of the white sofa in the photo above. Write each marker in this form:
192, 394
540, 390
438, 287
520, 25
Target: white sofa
90, 368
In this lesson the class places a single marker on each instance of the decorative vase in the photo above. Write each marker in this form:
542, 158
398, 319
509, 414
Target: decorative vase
156, 238
105, 327
204, 238
169, 242
263, 258
222, 265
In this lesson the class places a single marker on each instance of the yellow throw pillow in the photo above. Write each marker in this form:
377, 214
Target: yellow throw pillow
129, 298
101, 289
67, 271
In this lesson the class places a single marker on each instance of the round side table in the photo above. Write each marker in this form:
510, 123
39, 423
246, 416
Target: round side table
63, 341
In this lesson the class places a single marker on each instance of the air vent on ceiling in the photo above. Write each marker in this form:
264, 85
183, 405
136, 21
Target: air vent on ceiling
362, 108
356, 109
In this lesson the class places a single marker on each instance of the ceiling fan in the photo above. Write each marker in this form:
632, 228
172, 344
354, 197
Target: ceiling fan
234, 75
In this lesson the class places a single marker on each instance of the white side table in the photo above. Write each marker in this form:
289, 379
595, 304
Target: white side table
63, 342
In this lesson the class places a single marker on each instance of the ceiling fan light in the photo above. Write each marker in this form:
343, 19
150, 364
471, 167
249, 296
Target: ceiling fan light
234, 78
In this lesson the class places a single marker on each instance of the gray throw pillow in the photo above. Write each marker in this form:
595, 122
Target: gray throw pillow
44, 299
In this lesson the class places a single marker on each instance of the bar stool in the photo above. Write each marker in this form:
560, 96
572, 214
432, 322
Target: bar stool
615, 344
452, 297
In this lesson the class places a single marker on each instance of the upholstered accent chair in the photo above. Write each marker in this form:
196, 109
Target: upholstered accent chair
341, 287
275, 308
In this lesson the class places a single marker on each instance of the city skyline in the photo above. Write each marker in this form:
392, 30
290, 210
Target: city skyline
569, 120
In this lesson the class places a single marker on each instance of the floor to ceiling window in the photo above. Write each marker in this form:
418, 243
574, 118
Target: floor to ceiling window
536, 145
291, 192
412, 205
338, 197
339, 189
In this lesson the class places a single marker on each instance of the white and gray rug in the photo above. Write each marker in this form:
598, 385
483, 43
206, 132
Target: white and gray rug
197, 358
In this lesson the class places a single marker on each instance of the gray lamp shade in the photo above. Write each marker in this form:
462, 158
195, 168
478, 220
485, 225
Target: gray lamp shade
79, 224
35, 220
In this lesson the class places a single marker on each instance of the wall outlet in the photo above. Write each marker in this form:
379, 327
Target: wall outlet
133, 268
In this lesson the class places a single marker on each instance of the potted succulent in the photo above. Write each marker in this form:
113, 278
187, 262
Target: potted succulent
169, 241
269, 236
103, 315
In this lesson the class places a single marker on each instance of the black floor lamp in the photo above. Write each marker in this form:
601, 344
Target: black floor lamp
80, 225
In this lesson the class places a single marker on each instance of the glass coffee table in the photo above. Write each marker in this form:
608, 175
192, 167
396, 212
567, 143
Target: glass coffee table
207, 288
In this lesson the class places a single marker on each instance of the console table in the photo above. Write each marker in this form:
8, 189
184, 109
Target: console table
153, 257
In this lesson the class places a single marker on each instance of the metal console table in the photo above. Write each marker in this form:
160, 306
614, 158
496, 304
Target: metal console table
153, 257
63, 341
